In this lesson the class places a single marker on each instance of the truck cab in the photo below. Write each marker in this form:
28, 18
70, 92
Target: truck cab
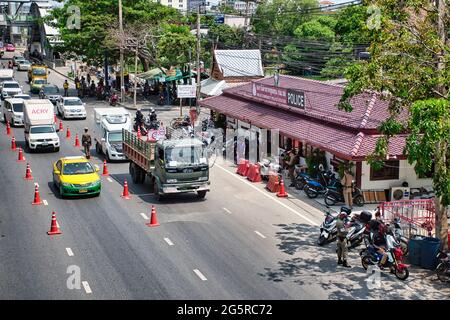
38, 71
109, 123
40, 131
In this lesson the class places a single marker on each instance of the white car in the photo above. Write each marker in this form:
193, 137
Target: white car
23, 65
10, 88
71, 107
13, 111
23, 96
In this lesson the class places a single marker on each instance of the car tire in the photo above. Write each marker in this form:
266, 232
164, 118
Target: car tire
201, 194
61, 192
4, 118
57, 149
158, 195
108, 158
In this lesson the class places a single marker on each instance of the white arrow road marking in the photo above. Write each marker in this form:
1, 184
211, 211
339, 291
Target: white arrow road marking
144, 216
170, 243
69, 252
226, 210
200, 275
260, 234
86, 287
109, 179
45, 202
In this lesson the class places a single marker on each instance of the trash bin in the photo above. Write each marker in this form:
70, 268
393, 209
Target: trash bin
414, 249
429, 249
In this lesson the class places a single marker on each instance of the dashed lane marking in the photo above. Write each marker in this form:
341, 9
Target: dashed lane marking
45, 202
170, 243
109, 179
200, 275
260, 234
226, 210
69, 252
143, 215
269, 196
86, 286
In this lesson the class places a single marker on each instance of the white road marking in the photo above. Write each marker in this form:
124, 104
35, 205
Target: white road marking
144, 216
170, 243
200, 275
226, 210
109, 179
86, 287
269, 196
69, 252
260, 234
45, 202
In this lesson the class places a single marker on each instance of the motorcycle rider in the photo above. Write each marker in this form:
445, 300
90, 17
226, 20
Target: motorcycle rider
342, 250
379, 243
153, 116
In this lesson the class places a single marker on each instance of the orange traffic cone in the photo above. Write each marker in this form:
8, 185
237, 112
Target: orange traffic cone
105, 169
139, 132
54, 226
77, 141
282, 193
37, 197
125, 194
13, 144
8, 128
153, 219
60, 125
28, 175
21, 157
68, 133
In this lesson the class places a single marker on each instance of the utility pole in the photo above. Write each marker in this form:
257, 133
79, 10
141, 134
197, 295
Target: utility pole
135, 74
122, 85
198, 58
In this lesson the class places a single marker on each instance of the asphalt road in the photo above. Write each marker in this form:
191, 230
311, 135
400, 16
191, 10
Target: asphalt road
239, 243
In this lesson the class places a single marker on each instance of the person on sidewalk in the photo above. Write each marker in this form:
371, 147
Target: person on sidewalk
293, 160
66, 88
342, 250
86, 141
347, 188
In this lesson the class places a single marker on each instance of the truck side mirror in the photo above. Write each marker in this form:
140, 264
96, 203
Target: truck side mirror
103, 140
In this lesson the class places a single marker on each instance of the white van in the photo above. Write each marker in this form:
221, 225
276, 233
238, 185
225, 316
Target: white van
6, 75
13, 111
109, 123
40, 131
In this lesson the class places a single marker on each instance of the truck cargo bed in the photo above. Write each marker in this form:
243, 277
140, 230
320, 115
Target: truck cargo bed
138, 150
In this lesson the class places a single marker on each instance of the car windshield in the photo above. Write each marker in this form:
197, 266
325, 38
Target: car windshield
39, 72
51, 90
115, 137
6, 79
24, 97
40, 81
73, 102
189, 155
77, 168
48, 129
11, 85
24, 62
18, 107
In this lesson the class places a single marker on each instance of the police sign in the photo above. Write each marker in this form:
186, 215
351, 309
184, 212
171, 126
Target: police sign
296, 98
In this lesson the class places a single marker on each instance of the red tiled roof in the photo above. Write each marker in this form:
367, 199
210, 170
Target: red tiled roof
321, 124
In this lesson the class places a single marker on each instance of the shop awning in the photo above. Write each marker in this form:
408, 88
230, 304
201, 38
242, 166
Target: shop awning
150, 74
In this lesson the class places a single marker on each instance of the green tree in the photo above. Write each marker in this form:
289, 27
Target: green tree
174, 45
409, 66
351, 27
226, 35
280, 17
314, 30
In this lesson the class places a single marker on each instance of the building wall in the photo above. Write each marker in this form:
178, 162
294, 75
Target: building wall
177, 4
234, 21
406, 173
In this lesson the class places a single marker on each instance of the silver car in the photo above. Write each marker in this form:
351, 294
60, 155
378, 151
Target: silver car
23, 65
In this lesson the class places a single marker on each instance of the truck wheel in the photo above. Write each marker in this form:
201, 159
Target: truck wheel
132, 169
201, 194
141, 175
158, 195
108, 159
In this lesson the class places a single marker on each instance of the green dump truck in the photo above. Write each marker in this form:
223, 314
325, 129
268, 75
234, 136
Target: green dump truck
173, 166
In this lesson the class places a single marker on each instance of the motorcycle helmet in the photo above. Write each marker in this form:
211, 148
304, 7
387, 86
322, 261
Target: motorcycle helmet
343, 215
345, 209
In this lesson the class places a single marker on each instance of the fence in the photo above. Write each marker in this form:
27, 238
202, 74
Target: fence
417, 216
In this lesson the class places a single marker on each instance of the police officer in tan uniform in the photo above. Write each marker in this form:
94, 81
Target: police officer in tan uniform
342, 250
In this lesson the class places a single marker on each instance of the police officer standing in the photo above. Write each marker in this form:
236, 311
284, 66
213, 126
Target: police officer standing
66, 88
87, 142
342, 250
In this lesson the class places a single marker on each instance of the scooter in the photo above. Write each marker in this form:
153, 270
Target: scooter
335, 195
328, 230
370, 256
313, 188
397, 233
266, 167
113, 99
356, 233
443, 267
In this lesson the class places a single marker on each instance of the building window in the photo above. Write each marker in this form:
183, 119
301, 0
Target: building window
389, 171
181, 5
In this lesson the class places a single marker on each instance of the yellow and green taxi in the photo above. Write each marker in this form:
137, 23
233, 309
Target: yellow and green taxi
36, 84
76, 176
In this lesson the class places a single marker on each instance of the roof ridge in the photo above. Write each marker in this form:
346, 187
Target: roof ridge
369, 109
358, 142
312, 80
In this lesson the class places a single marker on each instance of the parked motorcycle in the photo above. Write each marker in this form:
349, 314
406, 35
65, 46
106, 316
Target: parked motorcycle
370, 256
266, 166
397, 233
356, 233
443, 267
141, 126
328, 231
336, 195
327, 180
207, 124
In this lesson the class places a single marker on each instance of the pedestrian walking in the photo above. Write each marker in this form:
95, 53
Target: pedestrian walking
347, 187
342, 250
66, 88
86, 141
